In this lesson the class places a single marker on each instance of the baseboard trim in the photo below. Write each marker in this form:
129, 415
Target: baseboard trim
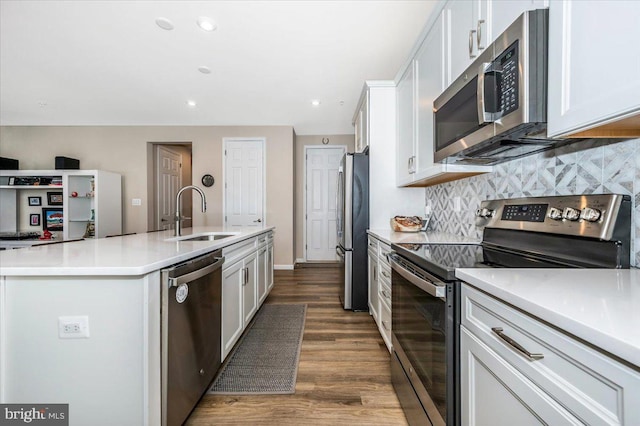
316, 264
283, 267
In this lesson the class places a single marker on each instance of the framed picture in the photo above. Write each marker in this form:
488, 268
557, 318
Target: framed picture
54, 198
35, 201
34, 219
52, 219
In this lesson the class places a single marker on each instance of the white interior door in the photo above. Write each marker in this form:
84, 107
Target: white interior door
321, 178
168, 182
244, 182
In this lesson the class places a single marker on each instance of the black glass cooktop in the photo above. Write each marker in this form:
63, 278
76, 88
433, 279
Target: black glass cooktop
443, 259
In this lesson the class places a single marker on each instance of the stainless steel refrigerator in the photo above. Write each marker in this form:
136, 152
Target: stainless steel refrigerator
352, 222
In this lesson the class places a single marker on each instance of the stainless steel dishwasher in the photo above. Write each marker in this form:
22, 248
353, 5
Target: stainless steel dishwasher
191, 326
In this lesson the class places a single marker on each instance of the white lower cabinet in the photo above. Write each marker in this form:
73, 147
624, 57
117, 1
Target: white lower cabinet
262, 274
380, 287
247, 278
232, 313
270, 265
495, 393
374, 304
250, 288
515, 369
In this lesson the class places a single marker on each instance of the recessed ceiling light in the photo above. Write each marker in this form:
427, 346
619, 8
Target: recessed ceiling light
204, 70
191, 104
315, 102
164, 23
207, 24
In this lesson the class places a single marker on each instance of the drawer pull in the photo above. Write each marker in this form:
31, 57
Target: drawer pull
516, 345
385, 294
385, 326
385, 274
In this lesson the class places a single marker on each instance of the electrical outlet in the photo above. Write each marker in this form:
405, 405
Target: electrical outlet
456, 204
73, 327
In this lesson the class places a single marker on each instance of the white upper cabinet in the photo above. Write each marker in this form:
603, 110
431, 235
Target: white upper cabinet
462, 48
430, 70
472, 25
422, 82
378, 103
504, 12
361, 124
594, 68
405, 98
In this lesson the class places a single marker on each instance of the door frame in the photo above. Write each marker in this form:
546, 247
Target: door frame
151, 175
304, 191
157, 148
263, 143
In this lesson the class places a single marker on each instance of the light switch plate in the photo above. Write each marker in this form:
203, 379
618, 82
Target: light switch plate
136, 202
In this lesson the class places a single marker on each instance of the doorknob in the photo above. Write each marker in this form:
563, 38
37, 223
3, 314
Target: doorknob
257, 221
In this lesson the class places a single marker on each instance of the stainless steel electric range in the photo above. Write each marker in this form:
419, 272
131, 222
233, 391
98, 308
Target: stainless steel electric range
591, 231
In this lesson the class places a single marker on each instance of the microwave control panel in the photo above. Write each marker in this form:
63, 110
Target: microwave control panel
508, 79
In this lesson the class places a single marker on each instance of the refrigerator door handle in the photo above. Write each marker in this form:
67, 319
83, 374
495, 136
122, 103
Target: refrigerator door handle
339, 197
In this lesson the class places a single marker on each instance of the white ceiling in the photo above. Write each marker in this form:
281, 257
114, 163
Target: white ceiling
108, 63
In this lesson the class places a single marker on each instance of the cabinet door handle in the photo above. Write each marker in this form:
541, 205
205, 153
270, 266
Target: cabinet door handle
479, 34
244, 276
375, 273
471, 33
516, 345
385, 325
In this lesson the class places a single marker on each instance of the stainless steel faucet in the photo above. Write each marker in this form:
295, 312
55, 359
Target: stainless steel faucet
178, 218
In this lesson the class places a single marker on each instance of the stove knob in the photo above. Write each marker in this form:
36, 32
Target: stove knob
590, 215
484, 212
570, 213
555, 214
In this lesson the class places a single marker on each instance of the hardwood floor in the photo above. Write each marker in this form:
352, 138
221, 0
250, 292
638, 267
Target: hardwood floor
343, 375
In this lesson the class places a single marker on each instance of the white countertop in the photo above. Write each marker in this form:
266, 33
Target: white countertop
600, 306
129, 255
391, 237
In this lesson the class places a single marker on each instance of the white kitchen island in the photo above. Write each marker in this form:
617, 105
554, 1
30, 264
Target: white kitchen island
113, 376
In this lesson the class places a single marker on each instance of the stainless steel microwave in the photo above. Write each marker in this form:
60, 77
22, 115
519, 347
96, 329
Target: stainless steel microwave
497, 109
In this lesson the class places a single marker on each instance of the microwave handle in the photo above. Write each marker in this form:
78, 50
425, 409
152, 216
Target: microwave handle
483, 115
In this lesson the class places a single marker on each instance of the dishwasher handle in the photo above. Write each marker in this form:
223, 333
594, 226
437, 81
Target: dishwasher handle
192, 276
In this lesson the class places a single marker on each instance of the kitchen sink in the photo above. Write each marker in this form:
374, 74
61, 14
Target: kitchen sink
206, 236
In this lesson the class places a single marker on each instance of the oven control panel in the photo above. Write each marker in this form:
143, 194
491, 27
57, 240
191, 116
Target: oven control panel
524, 212
594, 216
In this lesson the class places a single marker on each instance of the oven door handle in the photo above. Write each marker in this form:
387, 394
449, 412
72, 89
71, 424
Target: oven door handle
431, 288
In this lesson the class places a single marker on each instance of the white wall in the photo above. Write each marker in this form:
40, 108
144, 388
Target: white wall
127, 150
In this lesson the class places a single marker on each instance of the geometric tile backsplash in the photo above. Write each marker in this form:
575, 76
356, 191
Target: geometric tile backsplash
595, 166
